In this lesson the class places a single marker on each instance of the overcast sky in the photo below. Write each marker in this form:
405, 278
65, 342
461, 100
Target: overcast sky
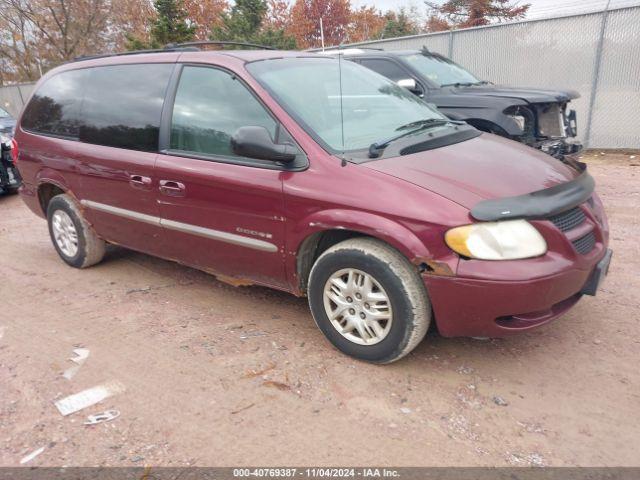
539, 8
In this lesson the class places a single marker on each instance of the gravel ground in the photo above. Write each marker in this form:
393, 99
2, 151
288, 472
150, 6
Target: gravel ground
223, 376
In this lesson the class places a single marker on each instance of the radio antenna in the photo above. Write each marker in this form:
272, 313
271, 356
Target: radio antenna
344, 160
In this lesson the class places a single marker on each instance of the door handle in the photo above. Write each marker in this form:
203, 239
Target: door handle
172, 188
140, 181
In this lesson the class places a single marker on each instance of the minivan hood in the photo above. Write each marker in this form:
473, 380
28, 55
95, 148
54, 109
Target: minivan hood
530, 95
482, 168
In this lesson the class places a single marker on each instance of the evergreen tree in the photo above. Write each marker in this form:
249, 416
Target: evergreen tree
399, 24
170, 26
244, 23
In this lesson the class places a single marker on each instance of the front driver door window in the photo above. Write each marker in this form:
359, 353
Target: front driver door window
223, 213
386, 68
210, 106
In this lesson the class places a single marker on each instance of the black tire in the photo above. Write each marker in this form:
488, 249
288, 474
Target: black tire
90, 247
400, 280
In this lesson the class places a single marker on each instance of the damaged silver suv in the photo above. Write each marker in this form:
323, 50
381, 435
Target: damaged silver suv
536, 117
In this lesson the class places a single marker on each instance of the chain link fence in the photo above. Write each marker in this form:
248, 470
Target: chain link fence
13, 97
597, 54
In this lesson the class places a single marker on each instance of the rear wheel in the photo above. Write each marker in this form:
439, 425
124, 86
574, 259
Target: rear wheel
368, 300
73, 238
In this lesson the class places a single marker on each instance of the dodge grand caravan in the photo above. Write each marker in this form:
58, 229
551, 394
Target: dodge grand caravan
315, 176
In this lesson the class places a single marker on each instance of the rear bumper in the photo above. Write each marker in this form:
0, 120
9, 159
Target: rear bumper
489, 308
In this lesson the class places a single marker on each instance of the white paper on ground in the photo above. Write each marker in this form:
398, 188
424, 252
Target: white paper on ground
86, 398
102, 417
31, 456
81, 355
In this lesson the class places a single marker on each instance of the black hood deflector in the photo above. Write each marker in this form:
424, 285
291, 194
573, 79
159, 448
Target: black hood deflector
539, 204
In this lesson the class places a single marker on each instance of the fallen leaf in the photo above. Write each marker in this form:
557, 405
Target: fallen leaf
242, 409
257, 373
278, 385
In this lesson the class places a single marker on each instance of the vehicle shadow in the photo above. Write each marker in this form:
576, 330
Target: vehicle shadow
6, 196
433, 347
185, 274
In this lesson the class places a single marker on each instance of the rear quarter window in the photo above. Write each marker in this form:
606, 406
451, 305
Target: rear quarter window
117, 105
123, 104
55, 107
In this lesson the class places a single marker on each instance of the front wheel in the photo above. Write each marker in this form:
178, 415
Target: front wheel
368, 300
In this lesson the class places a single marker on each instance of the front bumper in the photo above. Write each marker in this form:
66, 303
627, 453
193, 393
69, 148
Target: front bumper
556, 131
559, 148
474, 307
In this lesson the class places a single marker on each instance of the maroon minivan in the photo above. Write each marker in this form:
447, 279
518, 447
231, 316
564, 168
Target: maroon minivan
314, 176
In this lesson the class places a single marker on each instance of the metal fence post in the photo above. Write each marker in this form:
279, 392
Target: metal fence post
596, 74
450, 48
21, 97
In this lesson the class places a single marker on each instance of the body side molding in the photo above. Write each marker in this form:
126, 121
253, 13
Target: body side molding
184, 227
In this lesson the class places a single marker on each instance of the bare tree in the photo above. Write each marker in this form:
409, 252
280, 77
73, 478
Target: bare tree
39, 34
19, 61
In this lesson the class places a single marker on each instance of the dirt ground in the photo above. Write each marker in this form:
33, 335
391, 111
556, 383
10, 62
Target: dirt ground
224, 376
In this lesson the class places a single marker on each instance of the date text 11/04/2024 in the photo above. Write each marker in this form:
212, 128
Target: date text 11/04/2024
316, 472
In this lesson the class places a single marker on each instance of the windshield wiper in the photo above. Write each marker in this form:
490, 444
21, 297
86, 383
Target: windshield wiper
458, 84
465, 84
427, 122
376, 148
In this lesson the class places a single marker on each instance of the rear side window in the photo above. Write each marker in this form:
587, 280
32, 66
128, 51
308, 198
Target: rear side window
122, 105
386, 68
210, 106
54, 109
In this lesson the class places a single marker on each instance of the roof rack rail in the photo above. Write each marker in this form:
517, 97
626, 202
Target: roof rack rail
173, 47
216, 42
136, 52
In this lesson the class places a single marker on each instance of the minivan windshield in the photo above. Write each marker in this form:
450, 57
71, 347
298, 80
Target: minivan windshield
373, 107
440, 70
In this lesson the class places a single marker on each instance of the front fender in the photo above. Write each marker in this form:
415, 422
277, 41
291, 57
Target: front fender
489, 115
301, 237
385, 229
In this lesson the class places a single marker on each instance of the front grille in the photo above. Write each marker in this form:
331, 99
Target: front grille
568, 220
585, 244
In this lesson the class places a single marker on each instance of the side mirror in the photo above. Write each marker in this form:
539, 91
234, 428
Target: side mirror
408, 83
256, 142
411, 85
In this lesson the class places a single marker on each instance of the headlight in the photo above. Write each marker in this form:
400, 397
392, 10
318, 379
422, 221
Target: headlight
520, 121
506, 240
